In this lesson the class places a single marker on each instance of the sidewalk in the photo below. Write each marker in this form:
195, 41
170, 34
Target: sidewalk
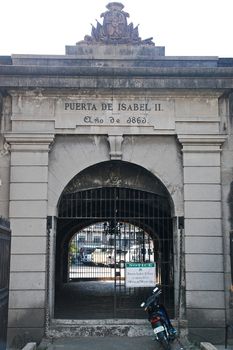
222, 347
209, 346
124, 342
106, 343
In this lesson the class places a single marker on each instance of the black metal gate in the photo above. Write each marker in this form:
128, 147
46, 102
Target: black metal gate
4, 279
112, 226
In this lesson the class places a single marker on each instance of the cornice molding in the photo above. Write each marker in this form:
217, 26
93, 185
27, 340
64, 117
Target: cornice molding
202, 143
29, 142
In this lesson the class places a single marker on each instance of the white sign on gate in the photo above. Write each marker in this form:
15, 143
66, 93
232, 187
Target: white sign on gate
140, 275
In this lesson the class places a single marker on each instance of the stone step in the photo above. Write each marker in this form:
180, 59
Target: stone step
111, 327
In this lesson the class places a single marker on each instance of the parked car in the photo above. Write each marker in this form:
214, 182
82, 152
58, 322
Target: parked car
103, 257
86, 258
106, 257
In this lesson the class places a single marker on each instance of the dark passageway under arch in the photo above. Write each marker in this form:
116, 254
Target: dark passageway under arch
130, 214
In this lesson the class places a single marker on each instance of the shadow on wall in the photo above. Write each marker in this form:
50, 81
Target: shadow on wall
230, 202
26, 328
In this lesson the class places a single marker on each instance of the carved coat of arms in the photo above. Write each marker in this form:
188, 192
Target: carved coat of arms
115, 22
115, 29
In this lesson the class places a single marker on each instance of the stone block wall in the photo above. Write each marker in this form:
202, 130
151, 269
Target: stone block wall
204, 268
28, 217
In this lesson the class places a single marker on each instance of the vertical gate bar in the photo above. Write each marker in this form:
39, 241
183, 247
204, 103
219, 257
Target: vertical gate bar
104, 201
68, 205
85, 203
132, 200
92, 237
89, 203
100, 203
109, 202
75, 205
124, 205
71, 206
79, 204
159, 242
119, 204
94, 203
152, 249
170, 262
163, 255
76, 256
65, 206
143, 247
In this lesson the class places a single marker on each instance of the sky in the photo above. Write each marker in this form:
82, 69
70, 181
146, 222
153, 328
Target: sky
184, 27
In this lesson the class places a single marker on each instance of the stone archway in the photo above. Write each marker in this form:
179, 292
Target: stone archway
131, 202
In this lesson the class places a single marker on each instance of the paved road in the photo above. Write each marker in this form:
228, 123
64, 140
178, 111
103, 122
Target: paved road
108, 343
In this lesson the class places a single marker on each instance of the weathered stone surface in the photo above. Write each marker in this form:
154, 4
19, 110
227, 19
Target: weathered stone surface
168, 115
202, 318
115, 29
28, 245
204, 281
26, 299
27, 280
30, 209
4, 208
205, 299
202, 159
29, 158
202, 175
202, 209
166, 78
28, 226
207, 346
204, 263
196, 107
197, 127
28, 262
109, 327
200, 245
108, 52
148, 149
194, 192
198, 334
29, 174
203, 227
30, 346
19, 337
27, 317
28, 191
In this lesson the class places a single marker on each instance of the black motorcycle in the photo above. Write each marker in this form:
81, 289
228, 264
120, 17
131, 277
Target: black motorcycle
159, 319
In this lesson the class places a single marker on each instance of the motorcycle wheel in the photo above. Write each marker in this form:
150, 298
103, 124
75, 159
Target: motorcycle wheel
164, 341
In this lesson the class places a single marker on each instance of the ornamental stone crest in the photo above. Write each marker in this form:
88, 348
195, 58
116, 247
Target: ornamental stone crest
115, 29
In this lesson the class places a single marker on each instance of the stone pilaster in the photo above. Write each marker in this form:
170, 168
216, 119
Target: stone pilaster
204, 268
28, 216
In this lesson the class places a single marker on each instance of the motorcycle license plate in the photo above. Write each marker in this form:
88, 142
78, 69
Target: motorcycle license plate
158, 329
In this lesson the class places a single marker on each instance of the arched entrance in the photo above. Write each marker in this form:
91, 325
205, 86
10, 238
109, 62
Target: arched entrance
111, 215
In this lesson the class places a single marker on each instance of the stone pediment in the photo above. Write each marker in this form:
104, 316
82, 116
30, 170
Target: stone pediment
115, 29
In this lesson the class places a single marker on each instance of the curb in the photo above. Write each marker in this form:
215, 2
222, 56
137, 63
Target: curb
207, 346
30, 346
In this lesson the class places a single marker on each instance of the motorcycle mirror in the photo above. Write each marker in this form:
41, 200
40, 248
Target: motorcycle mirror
142, 304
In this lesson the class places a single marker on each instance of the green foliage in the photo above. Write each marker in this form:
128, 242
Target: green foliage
73, 248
